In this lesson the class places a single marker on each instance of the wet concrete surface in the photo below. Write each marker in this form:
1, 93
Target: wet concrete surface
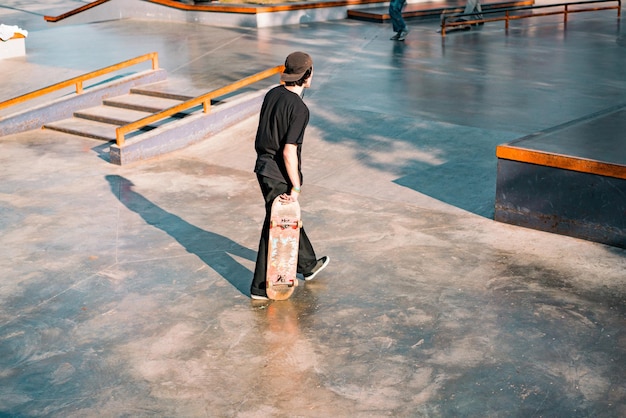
125, 289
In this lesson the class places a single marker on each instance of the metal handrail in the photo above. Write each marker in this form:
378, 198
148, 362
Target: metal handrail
75, 11
78, 81
204, 100
508, 17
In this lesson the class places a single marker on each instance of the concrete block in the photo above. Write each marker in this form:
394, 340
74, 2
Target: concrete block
581, 205
14, 47
570, 179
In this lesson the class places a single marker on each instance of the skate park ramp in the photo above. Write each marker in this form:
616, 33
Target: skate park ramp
125, 289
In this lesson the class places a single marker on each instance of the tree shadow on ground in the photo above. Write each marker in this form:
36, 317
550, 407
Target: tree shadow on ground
213, 249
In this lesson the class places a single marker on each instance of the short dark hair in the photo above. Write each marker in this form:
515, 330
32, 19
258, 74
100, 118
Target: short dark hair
302, 80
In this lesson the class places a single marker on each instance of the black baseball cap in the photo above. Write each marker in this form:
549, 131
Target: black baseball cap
296, 65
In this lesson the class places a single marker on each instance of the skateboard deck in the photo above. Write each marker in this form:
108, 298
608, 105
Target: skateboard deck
282, 253
459, 26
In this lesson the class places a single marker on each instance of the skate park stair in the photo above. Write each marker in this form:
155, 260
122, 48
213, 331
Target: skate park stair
140, 114
101, 122
569, 180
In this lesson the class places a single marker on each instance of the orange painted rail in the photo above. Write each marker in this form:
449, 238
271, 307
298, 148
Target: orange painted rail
78, 81
567, 9
74, 12
582, 165
204, 100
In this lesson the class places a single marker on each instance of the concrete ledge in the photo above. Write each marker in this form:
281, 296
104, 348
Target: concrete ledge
570, 180
216, 14
65, 107
565, 202
14, 47
192, 129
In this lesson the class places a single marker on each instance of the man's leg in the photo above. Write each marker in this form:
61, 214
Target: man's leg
397, 22
479, 9
258, 280
473, 6
306, 254
395, 13
270, 189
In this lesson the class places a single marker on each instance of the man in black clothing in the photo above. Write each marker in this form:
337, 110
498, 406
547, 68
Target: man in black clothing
282, 122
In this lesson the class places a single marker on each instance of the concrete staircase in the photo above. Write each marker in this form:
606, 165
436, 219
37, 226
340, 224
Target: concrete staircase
100, 122
170, 134
98, 111
167, 135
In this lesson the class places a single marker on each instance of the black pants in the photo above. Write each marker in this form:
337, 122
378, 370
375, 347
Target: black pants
306, 255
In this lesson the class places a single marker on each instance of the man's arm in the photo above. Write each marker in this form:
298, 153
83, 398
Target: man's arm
290, 154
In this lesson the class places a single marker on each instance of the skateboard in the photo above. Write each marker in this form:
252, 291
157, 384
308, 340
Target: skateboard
459, 26
282, 252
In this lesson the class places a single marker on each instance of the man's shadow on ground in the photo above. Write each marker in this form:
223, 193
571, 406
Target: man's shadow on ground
213, 249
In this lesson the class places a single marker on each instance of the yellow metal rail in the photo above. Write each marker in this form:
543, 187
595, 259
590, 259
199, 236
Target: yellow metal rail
204, 100
567, 9
75, 11
78, 81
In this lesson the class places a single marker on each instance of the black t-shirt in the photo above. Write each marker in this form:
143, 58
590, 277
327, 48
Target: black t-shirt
283, 119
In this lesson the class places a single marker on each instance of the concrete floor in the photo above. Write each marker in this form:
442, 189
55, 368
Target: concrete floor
124, 290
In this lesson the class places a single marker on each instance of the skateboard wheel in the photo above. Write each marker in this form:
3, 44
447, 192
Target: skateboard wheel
300, 224
272, 224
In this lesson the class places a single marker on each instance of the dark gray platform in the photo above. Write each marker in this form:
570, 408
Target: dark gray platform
570, 180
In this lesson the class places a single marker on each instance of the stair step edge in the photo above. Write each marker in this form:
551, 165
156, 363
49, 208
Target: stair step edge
161, 94
60, 127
